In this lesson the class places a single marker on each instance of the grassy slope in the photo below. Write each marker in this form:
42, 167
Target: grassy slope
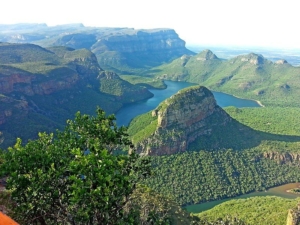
275, 120
142, 127
272, 84
267, 210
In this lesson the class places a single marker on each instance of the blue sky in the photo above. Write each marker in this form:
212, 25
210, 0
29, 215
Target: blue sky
211, 22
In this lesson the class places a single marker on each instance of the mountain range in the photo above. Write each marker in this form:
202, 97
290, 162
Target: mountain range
248, 76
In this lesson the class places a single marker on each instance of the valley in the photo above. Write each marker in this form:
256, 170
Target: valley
127, 113
211, 128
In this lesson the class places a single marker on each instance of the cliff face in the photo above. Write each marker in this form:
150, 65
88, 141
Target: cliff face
118, 49
139, 48
125, 49
39, 87
182, 119
142, 41
293, 216
283, 158
30, 84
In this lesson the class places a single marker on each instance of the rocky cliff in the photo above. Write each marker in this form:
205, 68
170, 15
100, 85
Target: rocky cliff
283, 157
118, 49
181, 120
41, 88
131, 49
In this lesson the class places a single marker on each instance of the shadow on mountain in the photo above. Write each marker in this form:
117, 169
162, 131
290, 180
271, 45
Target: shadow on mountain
237, 136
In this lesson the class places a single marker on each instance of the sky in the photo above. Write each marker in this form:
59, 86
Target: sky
263, 23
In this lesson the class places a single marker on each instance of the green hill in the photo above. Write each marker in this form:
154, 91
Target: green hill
268, 210
249, 76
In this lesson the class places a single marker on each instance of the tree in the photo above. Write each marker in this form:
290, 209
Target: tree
81, 175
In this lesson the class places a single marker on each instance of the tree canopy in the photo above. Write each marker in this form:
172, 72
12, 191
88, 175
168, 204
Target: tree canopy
80, 175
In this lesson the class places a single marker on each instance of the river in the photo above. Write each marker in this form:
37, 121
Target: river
280, 191
127, 113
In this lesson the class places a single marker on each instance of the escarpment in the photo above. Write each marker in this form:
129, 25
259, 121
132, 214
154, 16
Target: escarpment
119, 49
39, 87
138, 48
141, 41
181, 120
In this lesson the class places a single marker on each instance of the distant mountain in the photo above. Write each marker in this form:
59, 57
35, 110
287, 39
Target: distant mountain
123, 50
41, 88
247, 76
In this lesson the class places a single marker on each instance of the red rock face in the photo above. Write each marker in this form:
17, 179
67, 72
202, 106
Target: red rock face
7, 82
27, 84
52, 86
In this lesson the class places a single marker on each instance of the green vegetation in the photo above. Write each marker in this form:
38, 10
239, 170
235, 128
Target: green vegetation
144, 81
194, 177
158, 209
273, 120
141, 127
123, 90
24, 53
295, 190
214, 171
247, 76
83, 175
74, 177
267, 210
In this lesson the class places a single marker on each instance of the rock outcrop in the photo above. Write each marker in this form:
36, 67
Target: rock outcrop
283, 157
293, 217
182, 119
252, 58
206, 55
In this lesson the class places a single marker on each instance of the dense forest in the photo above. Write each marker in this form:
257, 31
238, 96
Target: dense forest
202, 176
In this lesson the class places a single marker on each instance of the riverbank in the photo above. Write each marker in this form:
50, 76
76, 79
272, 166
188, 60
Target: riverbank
279, 191
259, 102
